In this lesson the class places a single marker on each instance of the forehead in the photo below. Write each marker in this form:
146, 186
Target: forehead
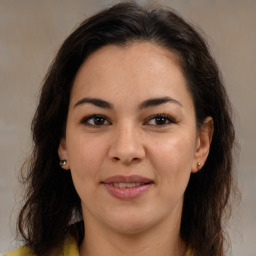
138, 69
131, 55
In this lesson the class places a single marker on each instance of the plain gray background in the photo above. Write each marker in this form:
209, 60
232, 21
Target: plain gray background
31, 32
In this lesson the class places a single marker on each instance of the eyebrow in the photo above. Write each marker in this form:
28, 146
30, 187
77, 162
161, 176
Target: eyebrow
145, 104
95, 101
158, 101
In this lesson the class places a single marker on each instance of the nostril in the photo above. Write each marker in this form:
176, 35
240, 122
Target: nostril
127, 160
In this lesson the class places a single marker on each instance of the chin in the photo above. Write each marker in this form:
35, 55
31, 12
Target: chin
131, 228
131, 223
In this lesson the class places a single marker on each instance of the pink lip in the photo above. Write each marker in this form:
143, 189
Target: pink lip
127, 193
127, 179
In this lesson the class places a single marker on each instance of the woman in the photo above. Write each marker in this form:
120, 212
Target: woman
132, 142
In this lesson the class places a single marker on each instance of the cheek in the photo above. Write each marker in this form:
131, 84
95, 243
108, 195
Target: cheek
85, 157
173, 160
176, 150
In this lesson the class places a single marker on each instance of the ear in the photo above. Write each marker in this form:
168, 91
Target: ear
203, 144
63, 153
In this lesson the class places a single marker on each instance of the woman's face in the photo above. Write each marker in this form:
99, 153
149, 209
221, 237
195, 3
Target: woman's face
131, 139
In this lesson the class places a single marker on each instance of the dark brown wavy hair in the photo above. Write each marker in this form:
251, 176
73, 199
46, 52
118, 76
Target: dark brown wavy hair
51, 201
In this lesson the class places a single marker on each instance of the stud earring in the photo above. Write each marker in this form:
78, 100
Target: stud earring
198, 165
63, 162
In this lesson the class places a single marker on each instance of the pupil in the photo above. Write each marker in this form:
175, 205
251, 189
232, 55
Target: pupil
99, 121
160, 120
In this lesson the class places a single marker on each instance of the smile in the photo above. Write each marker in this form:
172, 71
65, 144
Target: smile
127, 187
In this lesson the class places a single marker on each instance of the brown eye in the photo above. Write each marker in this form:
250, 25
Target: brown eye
160, 120
98, 120
95, 120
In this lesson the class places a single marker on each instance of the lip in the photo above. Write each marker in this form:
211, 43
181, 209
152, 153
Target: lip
127, 179
127, 193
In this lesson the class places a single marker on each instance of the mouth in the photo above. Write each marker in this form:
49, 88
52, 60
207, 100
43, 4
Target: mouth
127, 187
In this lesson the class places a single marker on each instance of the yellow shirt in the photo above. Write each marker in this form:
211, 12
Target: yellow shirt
70, 249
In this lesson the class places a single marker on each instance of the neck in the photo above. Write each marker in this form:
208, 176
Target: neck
162, 239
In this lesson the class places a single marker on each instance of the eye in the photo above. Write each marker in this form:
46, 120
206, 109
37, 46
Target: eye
160, 120
95, 120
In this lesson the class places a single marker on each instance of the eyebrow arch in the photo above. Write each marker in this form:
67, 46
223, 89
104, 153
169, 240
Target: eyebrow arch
145, 104
158, 101
95, 101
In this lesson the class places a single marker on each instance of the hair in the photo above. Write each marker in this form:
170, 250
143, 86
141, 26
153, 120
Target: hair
51, 201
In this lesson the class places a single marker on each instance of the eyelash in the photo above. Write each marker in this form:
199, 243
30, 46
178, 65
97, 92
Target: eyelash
91, 117
166, 118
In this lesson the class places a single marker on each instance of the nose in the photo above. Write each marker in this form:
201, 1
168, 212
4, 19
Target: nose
127, 146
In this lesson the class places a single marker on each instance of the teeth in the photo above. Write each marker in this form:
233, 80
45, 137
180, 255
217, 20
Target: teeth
127, 185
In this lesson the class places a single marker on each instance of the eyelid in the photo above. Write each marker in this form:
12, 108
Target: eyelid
170, 120
85, 120
168, 117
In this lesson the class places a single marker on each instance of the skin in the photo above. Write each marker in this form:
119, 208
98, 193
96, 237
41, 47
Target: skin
129, 140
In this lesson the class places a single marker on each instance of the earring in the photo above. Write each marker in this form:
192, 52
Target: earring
63, 162
198, 165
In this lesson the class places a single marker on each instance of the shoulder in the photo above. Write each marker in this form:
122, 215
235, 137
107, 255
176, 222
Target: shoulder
189, 252
22, 251
70, 248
